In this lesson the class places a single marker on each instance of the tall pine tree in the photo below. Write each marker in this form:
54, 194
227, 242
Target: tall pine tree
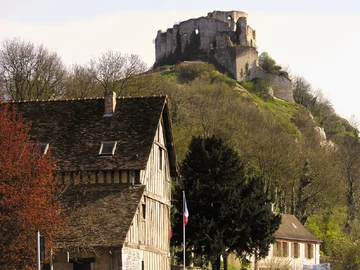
226, 202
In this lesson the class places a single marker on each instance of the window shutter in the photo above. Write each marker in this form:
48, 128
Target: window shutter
279, 249
296, 250
285, 249
274, 250
311, 251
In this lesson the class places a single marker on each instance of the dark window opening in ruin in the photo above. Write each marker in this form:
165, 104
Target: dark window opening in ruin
238, 34
251, 43
213, 45
191, 49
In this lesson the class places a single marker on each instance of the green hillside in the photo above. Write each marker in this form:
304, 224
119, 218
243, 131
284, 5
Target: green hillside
284, 140
308, 156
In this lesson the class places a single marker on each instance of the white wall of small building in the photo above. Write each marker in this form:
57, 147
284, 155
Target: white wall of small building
289, 259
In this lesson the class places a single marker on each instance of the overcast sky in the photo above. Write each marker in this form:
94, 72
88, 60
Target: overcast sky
317, 39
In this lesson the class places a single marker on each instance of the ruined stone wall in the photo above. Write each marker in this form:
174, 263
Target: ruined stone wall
237, 61
166, 43
247, 35
246, 62
200, 35
178, 39
251, 37
224, 39
230, 17
224, 59
282, 87
206, 28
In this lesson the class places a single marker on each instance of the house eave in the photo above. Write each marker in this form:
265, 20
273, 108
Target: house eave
298, 239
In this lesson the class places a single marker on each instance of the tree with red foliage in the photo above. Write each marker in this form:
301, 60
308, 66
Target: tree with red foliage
27, 194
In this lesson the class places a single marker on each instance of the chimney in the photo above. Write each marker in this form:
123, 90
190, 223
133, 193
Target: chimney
110, 104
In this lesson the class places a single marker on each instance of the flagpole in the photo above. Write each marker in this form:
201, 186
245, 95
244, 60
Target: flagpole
184, 227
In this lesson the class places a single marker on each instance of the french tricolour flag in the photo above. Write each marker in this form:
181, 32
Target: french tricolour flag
186, 212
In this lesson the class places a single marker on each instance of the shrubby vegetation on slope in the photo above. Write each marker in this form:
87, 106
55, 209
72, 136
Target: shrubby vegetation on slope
227, 204
302, 172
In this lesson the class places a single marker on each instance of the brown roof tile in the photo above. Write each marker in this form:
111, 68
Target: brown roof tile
99, 215
291, 229
75, 129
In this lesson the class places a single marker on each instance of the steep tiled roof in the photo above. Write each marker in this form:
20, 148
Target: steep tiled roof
292, 229
75, 129
99, 215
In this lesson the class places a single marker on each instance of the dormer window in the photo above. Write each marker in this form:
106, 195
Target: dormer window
44, 147
107, 148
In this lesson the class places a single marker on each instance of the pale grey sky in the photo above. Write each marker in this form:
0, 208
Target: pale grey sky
316, 39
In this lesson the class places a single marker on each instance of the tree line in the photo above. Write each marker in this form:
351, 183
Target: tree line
307, 155
29, 72
299, 170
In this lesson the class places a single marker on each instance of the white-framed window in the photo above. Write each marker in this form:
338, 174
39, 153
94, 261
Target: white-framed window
309, 251
295, 250
44, 147
281, 249
107, 148
143, 210
161, 158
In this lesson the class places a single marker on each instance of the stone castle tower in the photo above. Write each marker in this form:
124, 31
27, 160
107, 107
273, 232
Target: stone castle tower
223, 38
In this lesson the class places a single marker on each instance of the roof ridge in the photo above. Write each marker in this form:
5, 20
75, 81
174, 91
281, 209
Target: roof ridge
52, 100
80, 99
150, 96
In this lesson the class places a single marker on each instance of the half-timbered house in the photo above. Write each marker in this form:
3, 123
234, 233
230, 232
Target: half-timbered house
115, 160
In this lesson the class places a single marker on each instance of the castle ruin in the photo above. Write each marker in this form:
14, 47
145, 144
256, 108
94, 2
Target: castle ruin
223, 38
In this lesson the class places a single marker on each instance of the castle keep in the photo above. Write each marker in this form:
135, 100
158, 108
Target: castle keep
223, 38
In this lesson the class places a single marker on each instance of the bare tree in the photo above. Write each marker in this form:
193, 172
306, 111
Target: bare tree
349, 160
112, 69
354, 121
81, 83
29, 72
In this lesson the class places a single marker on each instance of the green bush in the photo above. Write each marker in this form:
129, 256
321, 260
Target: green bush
188, 71
269, 65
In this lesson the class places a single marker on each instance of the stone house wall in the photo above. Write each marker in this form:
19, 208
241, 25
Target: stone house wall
131, 258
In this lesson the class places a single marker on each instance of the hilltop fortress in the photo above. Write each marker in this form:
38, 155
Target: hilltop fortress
223, 38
